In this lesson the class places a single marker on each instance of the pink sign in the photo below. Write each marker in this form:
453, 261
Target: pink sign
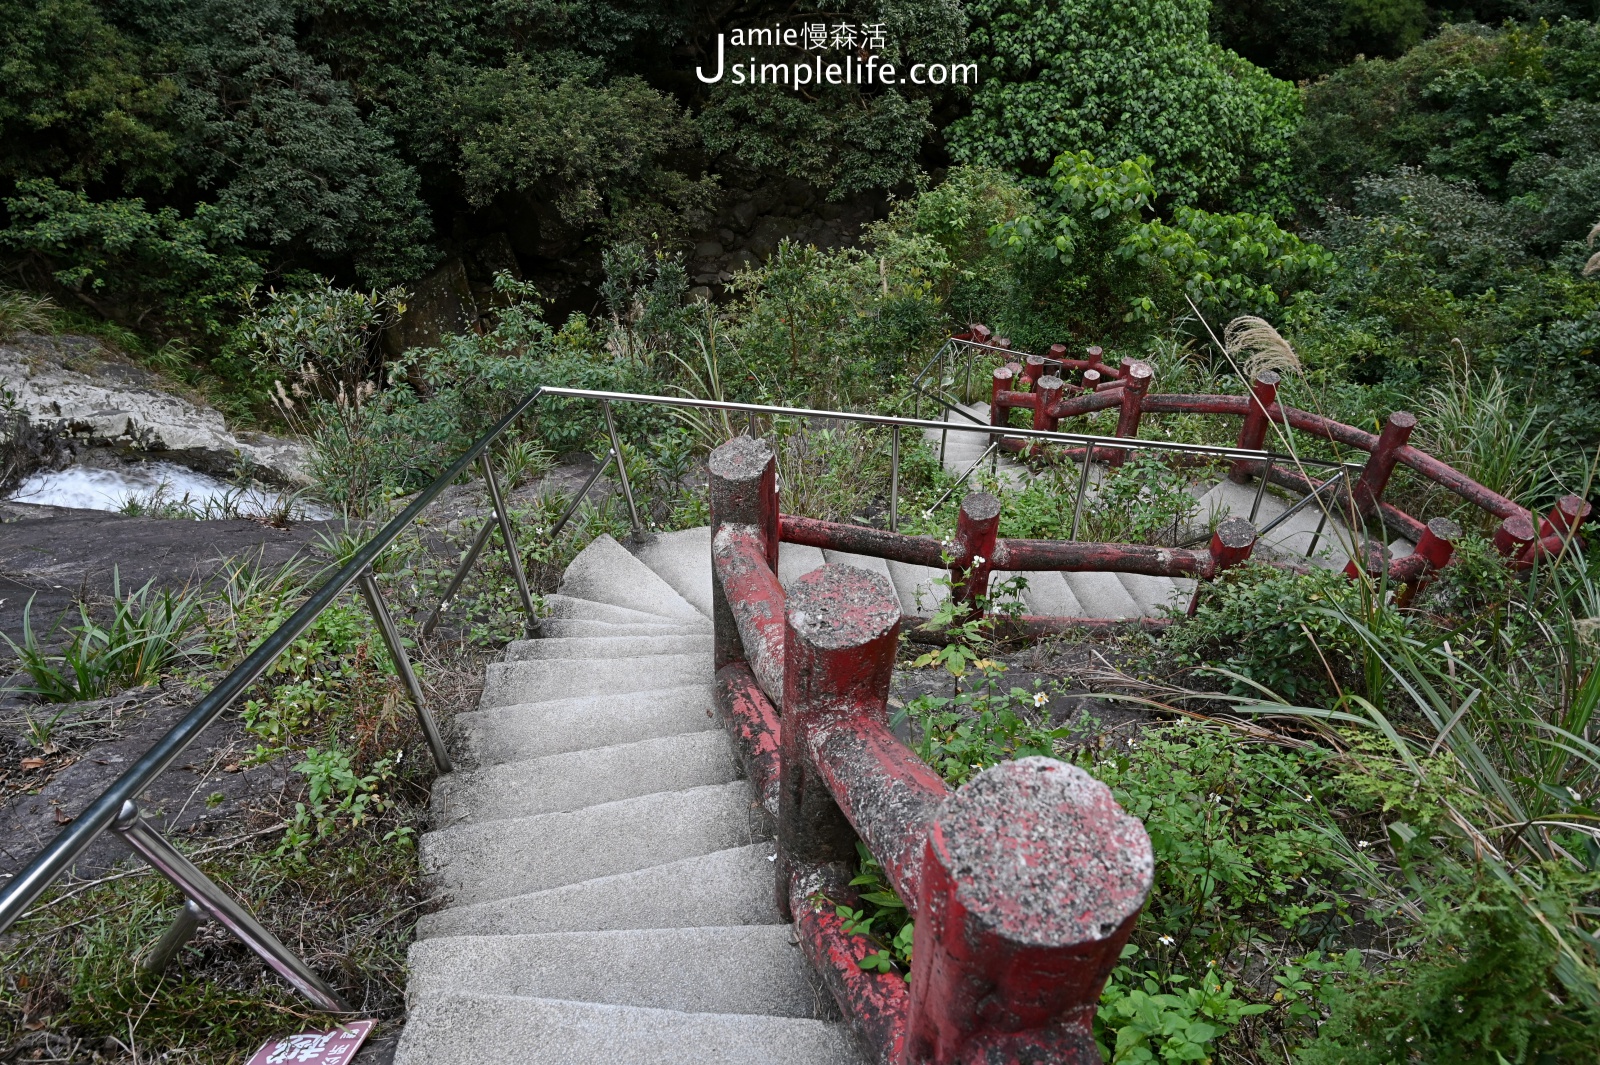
336, 1047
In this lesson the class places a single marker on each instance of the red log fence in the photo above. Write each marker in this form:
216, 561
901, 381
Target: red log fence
1055, 388
1025, 884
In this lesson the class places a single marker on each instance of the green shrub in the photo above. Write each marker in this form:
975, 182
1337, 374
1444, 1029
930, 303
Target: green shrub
1122, 81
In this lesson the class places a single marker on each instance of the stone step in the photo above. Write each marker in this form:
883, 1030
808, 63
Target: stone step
565, 628
683, 560
725, 887
576, 779
796, 560
568, 608
752, 969
918, 587
511, 1030
1102, 595
1050, 595
526, 682
606, 573
1155, 594
532, 730
606, 648
498, 859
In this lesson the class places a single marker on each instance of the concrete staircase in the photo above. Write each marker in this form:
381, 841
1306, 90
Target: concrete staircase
1125, 595
610, 876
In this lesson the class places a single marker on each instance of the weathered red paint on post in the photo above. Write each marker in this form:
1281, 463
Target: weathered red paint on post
754, 601
1231, 543
1032, 879
977, 525
1048, 390
1565, 517
1371, 559
875, 1004
746, 713
981, 334
1375, 475
743, 478
1096, 360
1033, 369
1092, 379
1253, 433
1136, 376
1432, 554
1003, 377
842, 626
1514, 534
1058, 354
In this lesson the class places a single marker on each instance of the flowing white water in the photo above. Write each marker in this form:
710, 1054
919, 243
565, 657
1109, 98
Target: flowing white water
161, 487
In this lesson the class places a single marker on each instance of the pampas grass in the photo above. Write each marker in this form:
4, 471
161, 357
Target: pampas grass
1261, 347
1592, 267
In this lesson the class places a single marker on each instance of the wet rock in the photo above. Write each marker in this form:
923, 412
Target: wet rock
96, 396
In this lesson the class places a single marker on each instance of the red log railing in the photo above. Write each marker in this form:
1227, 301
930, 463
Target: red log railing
1025, 884
1030, 385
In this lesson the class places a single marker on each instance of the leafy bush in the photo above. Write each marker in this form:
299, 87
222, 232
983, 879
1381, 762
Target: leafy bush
1091, 260
1137, 1022
1123, 81
129, 262
1272, 627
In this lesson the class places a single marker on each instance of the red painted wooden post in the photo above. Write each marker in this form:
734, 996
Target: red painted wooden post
981, 333
1049, 389
1124, 366
1096, 361
1057, 353
1091, 379
1033, 369
842, 627
1565, 517
743, 479
1231, 543
1003, 376
1253, 433
1137, 377
1375, 475
1002, 342
1513, 535
1438, 543
1032, 879
977, 527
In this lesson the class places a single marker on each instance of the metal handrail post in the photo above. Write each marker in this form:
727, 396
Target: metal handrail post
959, 481
182, 929
622, 467
894, 478
509, 536
1083, 492
459, 576
165, 859
1261, 490
402, 664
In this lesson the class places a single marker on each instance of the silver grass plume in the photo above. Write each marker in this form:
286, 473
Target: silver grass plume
1592, 267
1261, 346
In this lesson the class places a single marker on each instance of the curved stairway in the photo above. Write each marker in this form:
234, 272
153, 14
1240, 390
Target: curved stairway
610, 877
1127, 595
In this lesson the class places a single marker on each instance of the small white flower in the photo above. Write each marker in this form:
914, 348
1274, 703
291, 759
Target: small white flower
1040, 698
978, 560
1167, 941
1363, 845
1576, 796
772, 857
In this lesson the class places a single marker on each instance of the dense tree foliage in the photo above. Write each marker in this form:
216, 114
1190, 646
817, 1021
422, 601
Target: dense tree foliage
1124, 80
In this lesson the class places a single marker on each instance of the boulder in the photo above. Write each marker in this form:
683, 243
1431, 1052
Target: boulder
97, 396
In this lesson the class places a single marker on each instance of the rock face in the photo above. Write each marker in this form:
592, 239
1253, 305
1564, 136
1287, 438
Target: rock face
98, 397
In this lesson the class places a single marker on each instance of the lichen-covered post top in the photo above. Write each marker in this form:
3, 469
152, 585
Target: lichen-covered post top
1032, 880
